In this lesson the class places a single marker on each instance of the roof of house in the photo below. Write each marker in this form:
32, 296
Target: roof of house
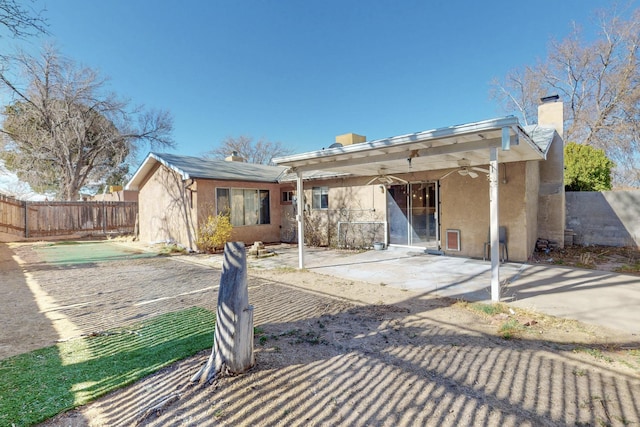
190, 167
449, 147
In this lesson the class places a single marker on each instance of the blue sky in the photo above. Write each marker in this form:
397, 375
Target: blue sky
301, 72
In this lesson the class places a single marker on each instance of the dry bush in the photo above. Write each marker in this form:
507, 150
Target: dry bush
214, 233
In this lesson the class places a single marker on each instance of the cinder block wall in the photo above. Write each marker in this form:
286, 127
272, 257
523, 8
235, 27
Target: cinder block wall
609, 218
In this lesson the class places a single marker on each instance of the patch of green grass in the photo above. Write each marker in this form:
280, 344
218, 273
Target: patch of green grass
70, 252
71, 242
629, 268
37, 385
598, 354
489, 309
510, 329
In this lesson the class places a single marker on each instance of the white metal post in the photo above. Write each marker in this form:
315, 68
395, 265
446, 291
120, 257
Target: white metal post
300, 220
494, 224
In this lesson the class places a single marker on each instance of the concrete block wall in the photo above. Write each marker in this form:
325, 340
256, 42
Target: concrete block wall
608, 218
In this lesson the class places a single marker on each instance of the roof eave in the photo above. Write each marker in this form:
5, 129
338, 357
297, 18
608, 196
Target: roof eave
447, 132
146, 166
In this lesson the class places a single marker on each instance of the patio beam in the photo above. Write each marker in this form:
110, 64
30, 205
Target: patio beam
386, 156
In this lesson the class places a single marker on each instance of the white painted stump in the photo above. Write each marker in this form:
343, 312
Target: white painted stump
233, 337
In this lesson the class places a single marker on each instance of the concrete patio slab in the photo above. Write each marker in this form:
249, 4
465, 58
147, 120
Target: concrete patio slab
600, 298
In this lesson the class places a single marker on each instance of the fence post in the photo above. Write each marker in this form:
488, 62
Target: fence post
104, 216
26, 219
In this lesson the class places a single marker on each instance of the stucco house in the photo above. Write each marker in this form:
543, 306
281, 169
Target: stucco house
449, 190
453, 190
177, 193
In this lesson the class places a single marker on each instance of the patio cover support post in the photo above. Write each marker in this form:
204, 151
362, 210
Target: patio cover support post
494, 224
300, 219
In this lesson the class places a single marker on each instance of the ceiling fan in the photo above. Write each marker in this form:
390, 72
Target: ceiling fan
385, 179
465, 169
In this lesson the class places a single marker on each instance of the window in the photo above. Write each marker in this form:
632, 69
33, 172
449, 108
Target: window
320, 198
287, 196
244, 206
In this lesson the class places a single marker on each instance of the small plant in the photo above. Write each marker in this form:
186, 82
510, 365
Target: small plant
586, 260
629, 268
490, 309
579, 372
598, 354
214, 233
510, 329
172, 249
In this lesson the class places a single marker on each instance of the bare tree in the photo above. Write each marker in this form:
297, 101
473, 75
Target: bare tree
20, 20
598, 81
64, 129
258, 152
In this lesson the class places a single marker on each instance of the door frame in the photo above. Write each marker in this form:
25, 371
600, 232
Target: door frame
407, 229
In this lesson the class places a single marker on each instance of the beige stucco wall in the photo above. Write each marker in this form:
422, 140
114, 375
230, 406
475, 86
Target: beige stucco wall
172, 210
164, 209
349, 200
464, 205
551, 203
532, 169
117, 196
268, 233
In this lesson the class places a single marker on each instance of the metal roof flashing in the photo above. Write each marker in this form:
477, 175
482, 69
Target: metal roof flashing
542, 137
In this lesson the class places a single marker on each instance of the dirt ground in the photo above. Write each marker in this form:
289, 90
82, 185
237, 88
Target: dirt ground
606, 258
328, 351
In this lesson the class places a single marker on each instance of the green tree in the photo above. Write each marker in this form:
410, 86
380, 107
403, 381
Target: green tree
65, 130
586, 168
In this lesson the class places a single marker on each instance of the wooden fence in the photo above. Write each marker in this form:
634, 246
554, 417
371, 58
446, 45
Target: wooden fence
43, 219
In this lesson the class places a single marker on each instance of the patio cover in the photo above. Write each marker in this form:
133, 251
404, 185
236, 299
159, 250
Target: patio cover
494, 141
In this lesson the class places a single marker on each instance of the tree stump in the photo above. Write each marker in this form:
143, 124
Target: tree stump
233, 336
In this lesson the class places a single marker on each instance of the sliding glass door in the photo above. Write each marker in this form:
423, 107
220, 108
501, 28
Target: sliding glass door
412, 214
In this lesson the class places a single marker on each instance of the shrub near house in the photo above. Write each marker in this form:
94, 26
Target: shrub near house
214, 233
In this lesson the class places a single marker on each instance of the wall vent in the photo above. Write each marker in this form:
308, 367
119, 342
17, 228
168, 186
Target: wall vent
452, 240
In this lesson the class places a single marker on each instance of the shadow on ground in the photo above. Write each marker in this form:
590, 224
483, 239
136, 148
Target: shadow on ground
420, 361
